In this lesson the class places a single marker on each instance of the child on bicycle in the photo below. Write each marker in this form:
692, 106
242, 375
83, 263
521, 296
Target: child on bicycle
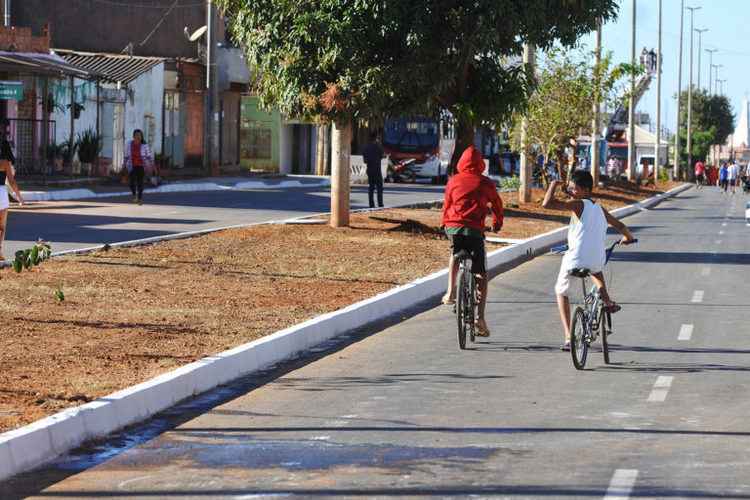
467, 198
586, 241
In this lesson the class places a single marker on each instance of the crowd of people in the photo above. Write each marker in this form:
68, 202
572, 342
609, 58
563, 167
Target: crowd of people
728, 176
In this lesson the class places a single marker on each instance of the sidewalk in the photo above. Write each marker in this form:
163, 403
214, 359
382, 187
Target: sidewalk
182, 186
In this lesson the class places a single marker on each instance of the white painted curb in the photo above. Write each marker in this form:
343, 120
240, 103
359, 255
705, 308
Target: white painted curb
32, 445
178, 187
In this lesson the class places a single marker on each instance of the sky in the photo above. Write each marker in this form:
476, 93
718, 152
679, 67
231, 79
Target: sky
728, 22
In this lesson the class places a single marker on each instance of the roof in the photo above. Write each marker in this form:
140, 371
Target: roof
643, 136
121, 68
40, 64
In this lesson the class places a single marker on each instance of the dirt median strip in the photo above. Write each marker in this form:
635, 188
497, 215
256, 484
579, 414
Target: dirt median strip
131, 314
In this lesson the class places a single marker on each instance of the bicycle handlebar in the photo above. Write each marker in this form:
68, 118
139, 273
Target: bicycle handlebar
611, 249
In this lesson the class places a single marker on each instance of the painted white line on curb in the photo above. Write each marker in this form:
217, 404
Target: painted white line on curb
621, 485
697, 297
686, 332
706, 271
661, 389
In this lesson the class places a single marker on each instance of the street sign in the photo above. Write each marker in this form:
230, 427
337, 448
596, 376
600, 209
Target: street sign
11, 91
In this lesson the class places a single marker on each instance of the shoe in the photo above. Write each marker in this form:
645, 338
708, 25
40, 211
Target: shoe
565, 347
140, 202
613, 308
135, 199
481, 328
447, 300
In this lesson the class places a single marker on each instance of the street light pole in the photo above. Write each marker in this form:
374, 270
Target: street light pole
700, 49
721, 82
690, 99
677, 170
524, 192
631, 110
212, 88
657, 155
710, 63
716, 78
595, 125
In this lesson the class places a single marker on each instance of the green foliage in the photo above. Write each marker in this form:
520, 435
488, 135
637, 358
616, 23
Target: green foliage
712, 119
89, 146
365, 59
68, 150
510, 183
26, 259
59, 294
663, 175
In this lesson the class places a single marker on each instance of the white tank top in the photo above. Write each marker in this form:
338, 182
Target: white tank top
587, 239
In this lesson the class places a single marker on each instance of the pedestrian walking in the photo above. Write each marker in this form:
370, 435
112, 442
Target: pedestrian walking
733, 174
373, 155
700, 174
138, 156
724, 177
7, 175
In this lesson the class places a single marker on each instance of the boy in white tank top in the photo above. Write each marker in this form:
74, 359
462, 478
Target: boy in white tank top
586, 241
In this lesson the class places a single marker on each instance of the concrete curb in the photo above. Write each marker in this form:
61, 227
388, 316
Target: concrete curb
177, 187
31, 446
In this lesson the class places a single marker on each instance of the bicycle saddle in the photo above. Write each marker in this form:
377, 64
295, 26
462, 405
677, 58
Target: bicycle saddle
579, 272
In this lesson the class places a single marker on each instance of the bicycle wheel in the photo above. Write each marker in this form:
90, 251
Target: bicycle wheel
578, 346
461, 306
471, 300
605, 327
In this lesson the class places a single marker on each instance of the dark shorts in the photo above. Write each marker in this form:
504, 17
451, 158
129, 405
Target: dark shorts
475, 247
699, 178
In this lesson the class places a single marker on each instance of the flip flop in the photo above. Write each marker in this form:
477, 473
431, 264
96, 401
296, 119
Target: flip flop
565, 347
613, 308
481, 332
447, 302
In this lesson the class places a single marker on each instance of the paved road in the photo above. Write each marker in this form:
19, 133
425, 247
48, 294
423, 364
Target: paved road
80, 224
404, 413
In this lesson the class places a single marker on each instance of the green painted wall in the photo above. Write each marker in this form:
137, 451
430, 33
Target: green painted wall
259, 136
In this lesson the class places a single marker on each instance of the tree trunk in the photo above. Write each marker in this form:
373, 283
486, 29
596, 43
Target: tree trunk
321, 160
341, 158
464, 139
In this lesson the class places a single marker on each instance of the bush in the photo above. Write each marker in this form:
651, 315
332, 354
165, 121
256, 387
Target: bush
89, 146
510, 183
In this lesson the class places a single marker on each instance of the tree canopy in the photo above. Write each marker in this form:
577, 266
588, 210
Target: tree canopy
712, 119
344, 59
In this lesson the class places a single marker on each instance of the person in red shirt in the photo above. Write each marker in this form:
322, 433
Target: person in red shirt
700, 174
468, 198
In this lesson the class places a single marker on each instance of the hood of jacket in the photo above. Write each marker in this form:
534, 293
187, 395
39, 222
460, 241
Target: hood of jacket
471, 162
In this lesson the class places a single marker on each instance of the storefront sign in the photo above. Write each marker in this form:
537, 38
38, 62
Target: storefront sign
11, 91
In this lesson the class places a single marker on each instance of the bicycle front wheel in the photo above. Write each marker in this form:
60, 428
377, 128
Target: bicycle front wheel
605, 327
461, 306
578, 346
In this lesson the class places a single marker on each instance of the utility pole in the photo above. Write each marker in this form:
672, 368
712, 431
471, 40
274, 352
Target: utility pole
700, 49
657, 154
716, 78
524, 191
690, 100
212, 91
597, 103
721, 82
710, 64
677, 169
631, 110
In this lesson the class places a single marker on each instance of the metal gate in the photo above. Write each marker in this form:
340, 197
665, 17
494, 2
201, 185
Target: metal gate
26, 137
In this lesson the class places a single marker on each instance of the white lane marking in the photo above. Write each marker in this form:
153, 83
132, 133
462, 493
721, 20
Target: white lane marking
718, 242
706, 271
697, 296
661, 389
621, 485
723, 224
721, 232
686, 331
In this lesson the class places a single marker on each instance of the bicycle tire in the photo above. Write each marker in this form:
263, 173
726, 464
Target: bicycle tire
471, 295
461, 307
605, 326
578, 346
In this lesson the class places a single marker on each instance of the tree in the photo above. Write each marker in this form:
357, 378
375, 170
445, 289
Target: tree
712, 122
339, 60
561, 107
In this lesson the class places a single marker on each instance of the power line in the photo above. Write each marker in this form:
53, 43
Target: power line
159, 23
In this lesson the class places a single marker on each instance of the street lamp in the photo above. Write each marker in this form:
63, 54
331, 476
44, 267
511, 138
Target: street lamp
716, 85
700, 42
722, 84
690, 96
710, 63
677, 170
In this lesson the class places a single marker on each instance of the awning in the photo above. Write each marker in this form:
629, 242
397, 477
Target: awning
41, 64
119, 68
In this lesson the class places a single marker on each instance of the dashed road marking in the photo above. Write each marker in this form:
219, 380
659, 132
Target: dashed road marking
661, 389
723, 224
697, 296
686, 332
721, 232
718, 242
621, 485
706, 271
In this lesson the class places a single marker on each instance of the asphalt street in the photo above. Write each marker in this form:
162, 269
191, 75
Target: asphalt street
81, 224
400, 411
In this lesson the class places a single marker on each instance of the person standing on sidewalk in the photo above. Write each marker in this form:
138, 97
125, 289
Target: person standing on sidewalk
138, 156
734, 174
723, 177
373, 155
700, 174
7, 174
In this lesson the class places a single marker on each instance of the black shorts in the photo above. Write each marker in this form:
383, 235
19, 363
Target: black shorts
475, 247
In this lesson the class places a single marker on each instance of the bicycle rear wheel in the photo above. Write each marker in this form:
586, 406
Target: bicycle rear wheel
605, 327
578, 346
471, 300
461, 306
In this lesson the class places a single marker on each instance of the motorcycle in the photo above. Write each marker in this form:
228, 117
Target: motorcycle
401, 171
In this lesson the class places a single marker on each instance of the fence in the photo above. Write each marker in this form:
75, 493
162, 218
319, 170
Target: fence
26, 136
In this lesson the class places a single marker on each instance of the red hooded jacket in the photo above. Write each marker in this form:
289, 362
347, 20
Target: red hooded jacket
469, 192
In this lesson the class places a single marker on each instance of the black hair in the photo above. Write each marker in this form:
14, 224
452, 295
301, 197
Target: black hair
583, 179
143, 137
373, 135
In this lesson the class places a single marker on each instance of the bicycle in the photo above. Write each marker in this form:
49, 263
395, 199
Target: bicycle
591, 320
466, 299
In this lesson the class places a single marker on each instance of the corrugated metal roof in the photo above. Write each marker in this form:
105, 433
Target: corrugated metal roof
115, 67
41, 64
